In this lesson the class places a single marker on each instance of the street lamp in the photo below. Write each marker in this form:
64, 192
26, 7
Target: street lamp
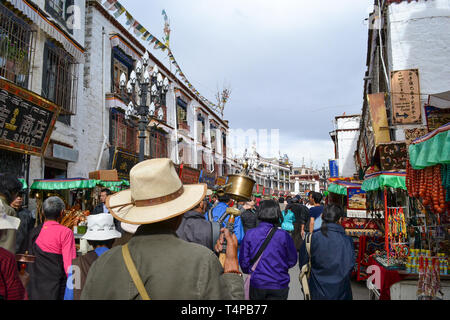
151, 89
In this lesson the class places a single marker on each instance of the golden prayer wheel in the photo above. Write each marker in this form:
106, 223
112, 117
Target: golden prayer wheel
240, 187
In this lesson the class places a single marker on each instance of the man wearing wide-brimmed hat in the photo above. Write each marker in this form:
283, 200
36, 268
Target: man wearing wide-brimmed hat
155, 263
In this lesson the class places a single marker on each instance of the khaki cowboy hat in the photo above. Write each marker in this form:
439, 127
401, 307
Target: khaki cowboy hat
156, 194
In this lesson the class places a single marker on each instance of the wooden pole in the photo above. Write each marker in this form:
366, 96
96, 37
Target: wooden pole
222, 255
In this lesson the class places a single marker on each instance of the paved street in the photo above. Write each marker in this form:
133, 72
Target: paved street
359, 289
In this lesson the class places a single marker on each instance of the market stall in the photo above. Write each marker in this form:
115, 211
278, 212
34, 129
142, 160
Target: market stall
79, 195
386, 192
416, 203
428, 185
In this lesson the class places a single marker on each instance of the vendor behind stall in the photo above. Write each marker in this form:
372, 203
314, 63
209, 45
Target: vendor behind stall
101, 207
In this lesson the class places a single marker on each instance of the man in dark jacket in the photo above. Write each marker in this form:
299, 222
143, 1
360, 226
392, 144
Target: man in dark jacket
26, 224
101, 207
195, 228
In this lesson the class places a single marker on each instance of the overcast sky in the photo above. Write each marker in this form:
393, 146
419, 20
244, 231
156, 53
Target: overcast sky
292, 65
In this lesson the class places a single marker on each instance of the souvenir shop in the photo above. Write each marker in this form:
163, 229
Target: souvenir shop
414, 261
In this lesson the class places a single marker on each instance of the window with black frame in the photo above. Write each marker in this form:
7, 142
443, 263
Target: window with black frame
61, 11
121, 63
123, 134
16, 40
59, 80
158, 145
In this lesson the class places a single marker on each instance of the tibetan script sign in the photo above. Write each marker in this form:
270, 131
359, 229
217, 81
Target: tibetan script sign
26, 119
405, 89
123, 162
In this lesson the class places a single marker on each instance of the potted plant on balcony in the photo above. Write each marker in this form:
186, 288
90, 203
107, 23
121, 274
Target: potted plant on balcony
9, 53
22, 64
3, 49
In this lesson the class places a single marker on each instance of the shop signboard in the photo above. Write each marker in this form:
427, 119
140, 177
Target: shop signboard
189, 175
207, 177
26, 119
436, 117
406, 108
356, 203
221, 181
334, 170
379, 119
123, 162
393, 156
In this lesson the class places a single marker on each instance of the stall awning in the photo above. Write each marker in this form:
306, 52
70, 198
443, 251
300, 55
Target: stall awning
440, 100
340, 187
379, 180
76, 183
431, 149
49, 28
63, 184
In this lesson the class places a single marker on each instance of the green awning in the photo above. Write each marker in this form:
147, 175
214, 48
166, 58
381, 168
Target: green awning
335, 188
110, 184
379, 181
64, 184
431, 149
341, 186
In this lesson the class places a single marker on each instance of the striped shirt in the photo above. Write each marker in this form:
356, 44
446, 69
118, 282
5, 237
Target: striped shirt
11, 287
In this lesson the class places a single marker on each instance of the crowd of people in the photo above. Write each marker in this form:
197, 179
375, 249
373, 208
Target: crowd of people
165, 243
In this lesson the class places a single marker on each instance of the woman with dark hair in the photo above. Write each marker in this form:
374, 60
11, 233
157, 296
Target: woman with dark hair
10, 187
332, 258
270, 271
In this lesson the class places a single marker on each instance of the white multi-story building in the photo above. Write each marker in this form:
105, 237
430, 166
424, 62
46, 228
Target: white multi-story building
189, 133
345, 138
72, 53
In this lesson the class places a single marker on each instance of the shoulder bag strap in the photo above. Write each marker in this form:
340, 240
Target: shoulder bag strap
134, 273
308, 249
264, 245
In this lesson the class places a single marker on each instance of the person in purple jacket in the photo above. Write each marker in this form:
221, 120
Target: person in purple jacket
270, 280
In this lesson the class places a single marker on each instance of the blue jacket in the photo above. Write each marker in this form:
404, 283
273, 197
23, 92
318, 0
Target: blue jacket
279, 256
333, 259
218, 211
